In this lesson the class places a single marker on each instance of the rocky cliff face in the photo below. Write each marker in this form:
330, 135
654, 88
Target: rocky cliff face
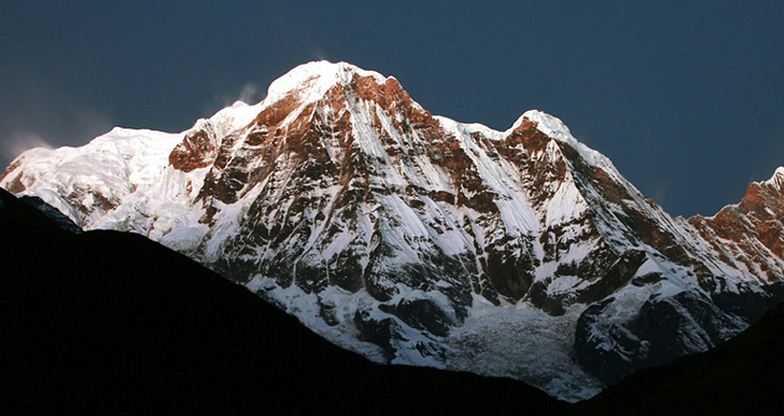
415, 239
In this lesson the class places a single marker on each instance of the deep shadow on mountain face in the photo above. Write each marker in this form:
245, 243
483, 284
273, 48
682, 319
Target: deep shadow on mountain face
107, 322
743, 376
112, 323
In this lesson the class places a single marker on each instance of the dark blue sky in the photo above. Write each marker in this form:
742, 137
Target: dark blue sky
685, 97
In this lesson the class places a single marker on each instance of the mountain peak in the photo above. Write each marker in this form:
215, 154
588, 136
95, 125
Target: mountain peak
553, 127
777, 180
315, 79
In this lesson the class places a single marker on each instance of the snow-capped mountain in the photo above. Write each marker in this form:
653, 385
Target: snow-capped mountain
415, 239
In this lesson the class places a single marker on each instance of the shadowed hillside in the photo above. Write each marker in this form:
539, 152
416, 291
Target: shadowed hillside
108, 322
743, 376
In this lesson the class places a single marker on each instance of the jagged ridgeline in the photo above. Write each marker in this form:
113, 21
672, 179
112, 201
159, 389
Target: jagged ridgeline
415, 239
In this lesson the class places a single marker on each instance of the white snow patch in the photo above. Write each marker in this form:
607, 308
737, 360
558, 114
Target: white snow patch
525, 344
315, 78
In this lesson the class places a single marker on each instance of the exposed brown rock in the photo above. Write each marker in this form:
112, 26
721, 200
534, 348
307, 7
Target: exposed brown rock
197, 150
16, 185
754, 225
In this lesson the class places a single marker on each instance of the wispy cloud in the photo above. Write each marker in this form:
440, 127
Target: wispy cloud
14, 146
37, 112
251, 93
660, 191
319, 54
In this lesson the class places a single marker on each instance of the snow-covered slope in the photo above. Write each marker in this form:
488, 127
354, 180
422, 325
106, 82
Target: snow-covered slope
416, 239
